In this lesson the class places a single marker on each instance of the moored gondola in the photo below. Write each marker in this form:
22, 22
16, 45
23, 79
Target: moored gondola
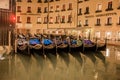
102, 47
49, 45
76, 45
22, 44
35, 45
88, 45
62, 44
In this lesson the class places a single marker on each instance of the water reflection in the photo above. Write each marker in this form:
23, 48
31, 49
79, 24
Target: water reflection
62, 66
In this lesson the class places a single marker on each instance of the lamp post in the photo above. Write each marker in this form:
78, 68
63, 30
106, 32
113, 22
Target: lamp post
89, 32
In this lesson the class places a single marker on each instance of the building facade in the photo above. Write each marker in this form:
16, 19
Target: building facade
45, 16
99, 18
88, 18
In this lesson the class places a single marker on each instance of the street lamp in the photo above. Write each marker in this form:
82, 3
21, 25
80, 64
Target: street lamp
89, 32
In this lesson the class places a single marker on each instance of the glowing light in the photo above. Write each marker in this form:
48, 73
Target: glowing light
107, 52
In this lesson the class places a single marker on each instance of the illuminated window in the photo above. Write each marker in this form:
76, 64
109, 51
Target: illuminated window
38, 20
51, 20
118, 21
97, 34
51, 8
99, 8
109, 21
86, 23
18, 8
79, 23
119, 35
57, 8
79, 1
108, 35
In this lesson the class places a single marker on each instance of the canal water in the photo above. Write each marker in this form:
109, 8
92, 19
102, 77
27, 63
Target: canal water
104, 65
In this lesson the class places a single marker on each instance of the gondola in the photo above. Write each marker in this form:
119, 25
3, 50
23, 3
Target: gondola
63, 47
22, 44
62, 44
49, 45
35, 45
88, 45
76, 45
102, 47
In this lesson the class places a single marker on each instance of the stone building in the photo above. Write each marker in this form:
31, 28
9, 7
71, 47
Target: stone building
88, 18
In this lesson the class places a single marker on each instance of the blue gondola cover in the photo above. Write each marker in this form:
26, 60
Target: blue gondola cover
47, 41
34, 41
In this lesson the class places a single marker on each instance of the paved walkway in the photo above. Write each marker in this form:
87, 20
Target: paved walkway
113, 43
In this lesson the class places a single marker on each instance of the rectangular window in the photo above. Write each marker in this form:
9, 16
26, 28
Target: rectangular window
18, 8
56, 19
51, 8
97, 34
39, 10
45, 10
87, 10
109, 21
28, 20
45, 20
70, 18
108, 35
28, 9
109, 6
79, 1
18, 19
98, 22
51, 20
99, 8
57, 8
63, 7
86, 23
38, 20
70, 6
63, 19
80, 12
79, 23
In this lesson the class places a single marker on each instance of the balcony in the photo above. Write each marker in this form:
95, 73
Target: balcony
39, 1
109, 9
97, 24
97, 11
85, 24
86, 13
108, 24
79, 14
118, 7
80, 1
